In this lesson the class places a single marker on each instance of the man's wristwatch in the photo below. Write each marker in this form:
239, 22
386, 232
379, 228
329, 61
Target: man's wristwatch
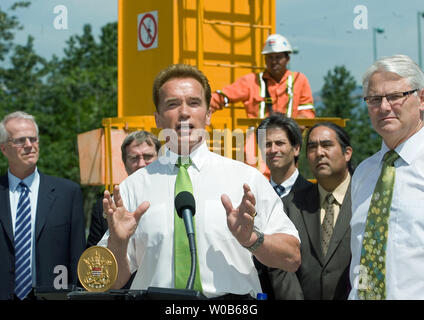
258, 241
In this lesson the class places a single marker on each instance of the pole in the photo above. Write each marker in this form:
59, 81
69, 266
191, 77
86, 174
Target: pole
420, 60
374, 33
374, 41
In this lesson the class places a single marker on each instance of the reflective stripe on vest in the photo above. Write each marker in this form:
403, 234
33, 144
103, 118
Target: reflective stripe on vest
305, 107
262, 94
290, 93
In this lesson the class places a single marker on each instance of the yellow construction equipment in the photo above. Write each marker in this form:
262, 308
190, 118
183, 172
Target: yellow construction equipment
223, 38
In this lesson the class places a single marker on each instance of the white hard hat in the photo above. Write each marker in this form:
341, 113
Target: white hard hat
276, 43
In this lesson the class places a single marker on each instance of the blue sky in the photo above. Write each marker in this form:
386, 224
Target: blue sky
323, 31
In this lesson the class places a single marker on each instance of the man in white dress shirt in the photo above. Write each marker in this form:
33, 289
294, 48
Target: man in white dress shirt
141, 219
393, 89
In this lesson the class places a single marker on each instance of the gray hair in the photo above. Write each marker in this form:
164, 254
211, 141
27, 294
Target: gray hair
139, 137
4, 134
400, 64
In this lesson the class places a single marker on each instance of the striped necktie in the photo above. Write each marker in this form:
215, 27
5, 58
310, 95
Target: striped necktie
280, 190
23, 237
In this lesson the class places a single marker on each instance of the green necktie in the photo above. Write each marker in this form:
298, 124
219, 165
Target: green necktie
373, 254
182, 256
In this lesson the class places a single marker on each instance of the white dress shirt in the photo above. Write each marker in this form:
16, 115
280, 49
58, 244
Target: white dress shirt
33, 183
225, 266
405, 242
287, 184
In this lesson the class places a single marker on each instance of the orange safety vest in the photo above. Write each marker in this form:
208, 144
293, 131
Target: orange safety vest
293, 99
291, 95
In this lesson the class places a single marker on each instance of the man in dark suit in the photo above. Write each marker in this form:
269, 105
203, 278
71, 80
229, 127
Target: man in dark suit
280, 139
139, 149
321, 214
42, 232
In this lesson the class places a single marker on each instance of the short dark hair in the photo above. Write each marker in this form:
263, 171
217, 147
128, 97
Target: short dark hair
342, 138
139, 137
281, 121
180, 71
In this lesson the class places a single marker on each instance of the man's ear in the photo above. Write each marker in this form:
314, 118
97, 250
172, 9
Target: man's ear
3, 148
348, 153
208, 116
421, 98
158, 120
296, 150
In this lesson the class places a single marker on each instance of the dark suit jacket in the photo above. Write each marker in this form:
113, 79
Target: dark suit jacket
98, 225
59, 233
320, 277
288, 287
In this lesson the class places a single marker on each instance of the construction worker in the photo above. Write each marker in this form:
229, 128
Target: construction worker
277, 89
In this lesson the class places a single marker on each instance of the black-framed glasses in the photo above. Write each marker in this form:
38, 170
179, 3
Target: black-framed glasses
392, 98
20, 142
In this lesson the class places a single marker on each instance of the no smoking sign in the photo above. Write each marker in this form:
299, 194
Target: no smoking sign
147, 30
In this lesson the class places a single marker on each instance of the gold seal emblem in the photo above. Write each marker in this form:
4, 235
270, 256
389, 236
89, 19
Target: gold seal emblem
97, 269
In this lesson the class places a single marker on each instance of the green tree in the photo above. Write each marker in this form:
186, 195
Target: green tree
81, 90
67, 95
21, 70
341, 97
8, 26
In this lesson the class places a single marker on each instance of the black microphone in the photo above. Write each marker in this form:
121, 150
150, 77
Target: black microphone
186, 208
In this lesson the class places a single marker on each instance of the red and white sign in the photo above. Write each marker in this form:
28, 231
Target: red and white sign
147, 30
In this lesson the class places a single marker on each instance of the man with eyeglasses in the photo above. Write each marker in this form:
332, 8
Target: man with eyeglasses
139, 149
41, 217
388, 188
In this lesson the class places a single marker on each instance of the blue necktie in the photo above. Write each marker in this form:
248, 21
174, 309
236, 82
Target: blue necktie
23, 237
280, 190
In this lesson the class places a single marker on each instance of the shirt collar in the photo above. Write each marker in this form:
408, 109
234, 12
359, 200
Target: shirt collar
338, 193
408, 150
14, 181
267, 76
198, 156
287, 184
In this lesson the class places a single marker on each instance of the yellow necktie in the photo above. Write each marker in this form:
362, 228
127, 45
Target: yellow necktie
373, 254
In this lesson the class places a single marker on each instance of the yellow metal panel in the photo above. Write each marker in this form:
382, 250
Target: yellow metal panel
137, 69
223, 38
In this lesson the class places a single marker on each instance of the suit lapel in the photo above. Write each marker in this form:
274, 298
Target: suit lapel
45, 201
341, 226
311, 218
5, 213
300, 183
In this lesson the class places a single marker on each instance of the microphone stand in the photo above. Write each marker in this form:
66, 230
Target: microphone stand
192, 246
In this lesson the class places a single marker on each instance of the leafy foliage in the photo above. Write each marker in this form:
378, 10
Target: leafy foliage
341, 97
67, 95
72, 94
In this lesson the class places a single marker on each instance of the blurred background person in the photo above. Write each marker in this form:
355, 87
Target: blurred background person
277, 89
139, 149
